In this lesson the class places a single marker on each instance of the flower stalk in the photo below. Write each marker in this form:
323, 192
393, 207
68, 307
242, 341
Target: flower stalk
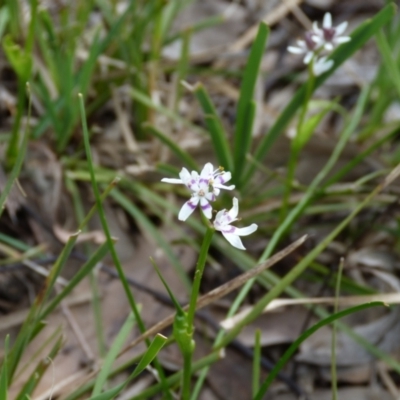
204, 188
189, 344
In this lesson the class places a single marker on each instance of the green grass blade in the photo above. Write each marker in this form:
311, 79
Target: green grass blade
14, 172
244, 119
389, 61
4, 18
39, 371
151, 353
96, 257
103, 220
215, 127
58, 266
178, 307
295, 345
358, 38
112, 354
4, 372
182, 155
182, 68
13, 8
109, 394
308, 128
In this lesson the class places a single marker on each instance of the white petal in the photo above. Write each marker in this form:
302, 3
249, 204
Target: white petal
188, 208
184, 175
322, 65
224, 177
315, 27
234, 211
234, 240
206, 207
207, 171
308, 57
342, 39
328, 46
295, 50
248, 230
327, 23
341, 28
172, 180
219, 219
216, 191
210, 196
219, 186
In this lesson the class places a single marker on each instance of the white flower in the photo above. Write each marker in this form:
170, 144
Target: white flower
321, 65
328, 37
204, 187
223, 221
306, 46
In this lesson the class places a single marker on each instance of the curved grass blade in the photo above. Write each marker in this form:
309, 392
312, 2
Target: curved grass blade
151, 353
112, 354
215, 127
294, 346
156, 345
244, 119
358, 38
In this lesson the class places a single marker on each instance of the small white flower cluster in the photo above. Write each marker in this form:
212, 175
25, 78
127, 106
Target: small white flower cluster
320, 40
205, 187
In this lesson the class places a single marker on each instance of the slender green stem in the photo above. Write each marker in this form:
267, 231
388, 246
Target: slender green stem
295, 148
198, 275
186, 375
188, 353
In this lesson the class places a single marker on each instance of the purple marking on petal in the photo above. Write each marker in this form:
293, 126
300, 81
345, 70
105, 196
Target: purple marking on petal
205, 206
229, 229
191, 205
204, 181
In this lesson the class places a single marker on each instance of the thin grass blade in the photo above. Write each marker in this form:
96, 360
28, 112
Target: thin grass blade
112, 354
295, 345
215, 127
244, 113
4, 372
39, 371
